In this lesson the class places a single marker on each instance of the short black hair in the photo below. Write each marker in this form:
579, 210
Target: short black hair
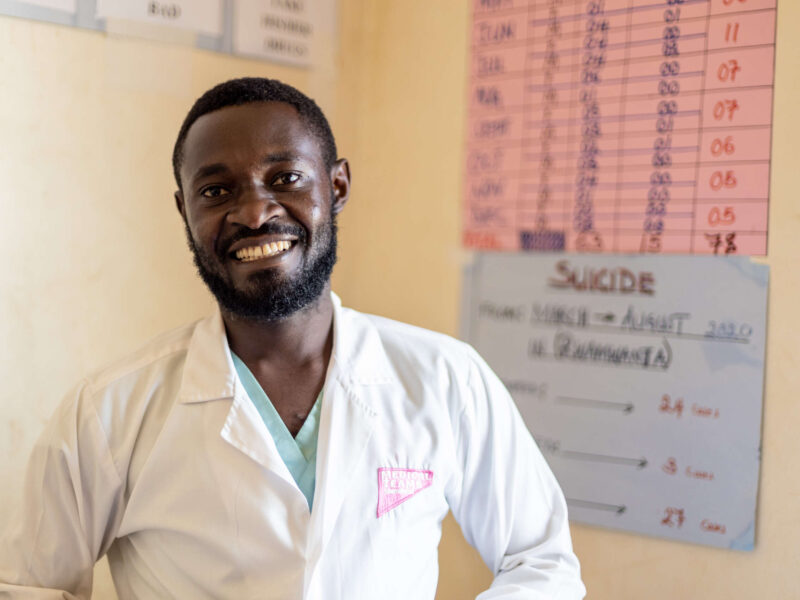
247, 90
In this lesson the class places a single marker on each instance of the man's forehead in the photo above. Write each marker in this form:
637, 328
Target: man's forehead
256, 126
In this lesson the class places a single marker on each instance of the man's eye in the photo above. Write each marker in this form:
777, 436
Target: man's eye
286, 179
214, 191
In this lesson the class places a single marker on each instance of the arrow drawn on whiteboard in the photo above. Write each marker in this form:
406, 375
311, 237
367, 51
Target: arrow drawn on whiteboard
626, 407
640, 463
617, 508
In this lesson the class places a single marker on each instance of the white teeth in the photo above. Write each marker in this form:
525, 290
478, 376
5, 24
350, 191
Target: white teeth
263, 251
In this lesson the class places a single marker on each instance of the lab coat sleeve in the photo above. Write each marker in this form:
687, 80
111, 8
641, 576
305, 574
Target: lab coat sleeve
70, 503
509, 505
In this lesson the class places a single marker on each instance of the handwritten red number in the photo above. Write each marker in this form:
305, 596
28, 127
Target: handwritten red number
721, 180
673, 517
727, 71
725, 107
722, 146
721, 216
667, 406
732, 32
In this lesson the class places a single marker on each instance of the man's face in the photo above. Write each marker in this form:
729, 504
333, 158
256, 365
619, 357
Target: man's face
259, 204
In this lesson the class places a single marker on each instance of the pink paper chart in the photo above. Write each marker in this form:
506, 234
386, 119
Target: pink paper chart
620, 126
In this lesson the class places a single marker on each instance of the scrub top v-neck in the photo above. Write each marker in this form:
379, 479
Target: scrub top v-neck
299, 453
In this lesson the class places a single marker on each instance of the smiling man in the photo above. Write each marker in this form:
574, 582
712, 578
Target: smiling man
285, 447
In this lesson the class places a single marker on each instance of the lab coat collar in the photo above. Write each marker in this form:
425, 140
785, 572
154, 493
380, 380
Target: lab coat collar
358, 369
358, 357
208, 373
358, 354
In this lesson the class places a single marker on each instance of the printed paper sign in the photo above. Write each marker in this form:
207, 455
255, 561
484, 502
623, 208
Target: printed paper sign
641, 379
202, 16
280, 30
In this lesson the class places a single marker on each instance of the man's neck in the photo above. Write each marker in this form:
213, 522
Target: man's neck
292, 343
289, 358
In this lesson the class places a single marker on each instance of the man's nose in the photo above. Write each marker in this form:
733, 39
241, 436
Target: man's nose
254, 208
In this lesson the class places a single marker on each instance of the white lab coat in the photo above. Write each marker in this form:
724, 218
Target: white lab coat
162, 462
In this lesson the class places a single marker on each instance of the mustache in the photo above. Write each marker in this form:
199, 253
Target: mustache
267, 228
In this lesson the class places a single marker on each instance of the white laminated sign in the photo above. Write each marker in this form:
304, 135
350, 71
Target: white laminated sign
201, 16
281, 30
640, 377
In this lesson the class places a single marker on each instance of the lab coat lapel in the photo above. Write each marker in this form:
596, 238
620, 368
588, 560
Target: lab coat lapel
245, 430
208, 372
209, 375
348, 426
358, 369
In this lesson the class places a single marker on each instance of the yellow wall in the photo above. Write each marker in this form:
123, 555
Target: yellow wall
96, 261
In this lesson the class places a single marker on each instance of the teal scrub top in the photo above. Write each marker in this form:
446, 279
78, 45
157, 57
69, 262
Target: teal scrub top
298, 453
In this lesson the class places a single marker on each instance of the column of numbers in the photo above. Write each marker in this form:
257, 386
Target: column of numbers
664, 101
547, 160
733, 173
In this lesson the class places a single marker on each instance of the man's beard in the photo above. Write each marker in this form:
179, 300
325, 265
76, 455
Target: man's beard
270, 295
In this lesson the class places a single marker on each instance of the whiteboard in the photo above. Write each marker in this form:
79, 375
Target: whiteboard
641, 379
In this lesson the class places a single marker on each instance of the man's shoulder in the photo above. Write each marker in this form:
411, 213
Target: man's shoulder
115, 397
161, 349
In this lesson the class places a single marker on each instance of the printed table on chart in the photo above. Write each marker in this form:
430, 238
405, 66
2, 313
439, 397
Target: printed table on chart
620, 125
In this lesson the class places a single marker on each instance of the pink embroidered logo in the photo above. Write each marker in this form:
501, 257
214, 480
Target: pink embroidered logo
395, 486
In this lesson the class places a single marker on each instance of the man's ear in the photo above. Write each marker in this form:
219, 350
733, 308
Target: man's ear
179, 204
340, 179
